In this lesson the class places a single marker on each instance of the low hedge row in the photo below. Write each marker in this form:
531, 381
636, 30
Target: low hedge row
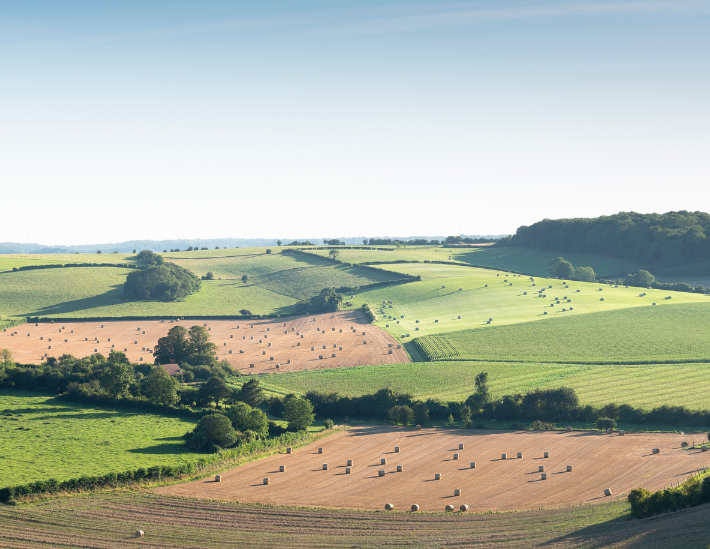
693, 492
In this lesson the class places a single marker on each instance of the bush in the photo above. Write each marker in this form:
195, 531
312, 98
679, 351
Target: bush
401, 415
604, 423
328, 423
538, 425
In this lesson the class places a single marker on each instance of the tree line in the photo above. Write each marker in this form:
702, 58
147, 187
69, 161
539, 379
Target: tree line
674, 243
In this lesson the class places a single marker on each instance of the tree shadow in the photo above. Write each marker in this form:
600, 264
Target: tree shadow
114, 296
171, 448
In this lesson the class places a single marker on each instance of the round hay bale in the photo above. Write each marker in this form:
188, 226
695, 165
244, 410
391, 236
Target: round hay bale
251, 365
704, 449
266, 480
569, 468
569, 429
607, 491
139, 533
415, 508
621, 432
546, 454
473, 465
418, 427
289, 450
460, 445
457, 492
282, 468
543, 476
396, 449
456, 456
350, 462
383, 461
504, 456
218, 478
449, 508
609, 430
347, 470
463, 508
520, 455
381, 473
437, 476
656, 451
325, 466
683, 444
389, 507
320, 450
541, 468
400, 468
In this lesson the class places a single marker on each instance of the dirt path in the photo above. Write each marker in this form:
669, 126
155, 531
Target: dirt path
263, 343
598, 461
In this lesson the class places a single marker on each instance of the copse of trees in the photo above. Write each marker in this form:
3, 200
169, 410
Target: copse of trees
181, 346
161, 282
327, 301
674, 243
561, 268
147, 257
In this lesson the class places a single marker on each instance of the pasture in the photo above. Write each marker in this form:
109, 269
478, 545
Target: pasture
108, 521
598, 461
43, 438
672, 333
645, 386
290, 344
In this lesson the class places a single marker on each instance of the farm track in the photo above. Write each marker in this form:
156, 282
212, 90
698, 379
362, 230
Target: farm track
266, 343
109, 521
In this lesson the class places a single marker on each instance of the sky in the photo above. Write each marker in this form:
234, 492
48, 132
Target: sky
157, 119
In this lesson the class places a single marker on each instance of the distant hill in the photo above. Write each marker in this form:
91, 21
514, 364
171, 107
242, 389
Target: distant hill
182, 244
674, 243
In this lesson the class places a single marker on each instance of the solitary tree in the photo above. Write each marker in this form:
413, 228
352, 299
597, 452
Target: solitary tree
212, 433
245, 278
279, 243
482, 396
334, 254
5, 363
298, 412
209, 275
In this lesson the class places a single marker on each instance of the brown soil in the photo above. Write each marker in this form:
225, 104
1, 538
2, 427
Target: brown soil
599, 461
342, 329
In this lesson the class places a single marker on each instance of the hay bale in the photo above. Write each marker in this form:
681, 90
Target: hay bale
546, 454
65, 341
381, 472
347, 470
332, 355
139, 533
543, 476
449, 508
389, 507
415, 508
418, 427
607, 491
520, 455
437, 476
364, 342
266, 480
540, 468
218, 478
350, 462
704, 449
400, 468
383, 461
569, 429
251, 365
473, 465
456, 456
457, 492
289, 450
325, 466
320, 357
463, 508
609, 430
396, 449
656, 451
320, 450
504, 456
569, 468
621, 432
683, 444
460, 445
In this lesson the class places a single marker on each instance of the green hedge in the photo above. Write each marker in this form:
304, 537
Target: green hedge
693, 492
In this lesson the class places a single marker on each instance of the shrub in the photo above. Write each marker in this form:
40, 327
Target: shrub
605, 423
328, 423
401, 415
538, 425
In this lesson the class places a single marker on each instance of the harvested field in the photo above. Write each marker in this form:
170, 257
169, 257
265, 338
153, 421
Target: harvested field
599, 461
342, 329
108, 521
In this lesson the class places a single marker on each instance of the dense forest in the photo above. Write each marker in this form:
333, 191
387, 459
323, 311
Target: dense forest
674, 243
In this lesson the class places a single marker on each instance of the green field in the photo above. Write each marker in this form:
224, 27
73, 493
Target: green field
519, 260
275, 283
42, 438
448, 291
672, 333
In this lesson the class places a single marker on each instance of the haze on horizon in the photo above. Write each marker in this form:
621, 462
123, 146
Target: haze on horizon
168, 119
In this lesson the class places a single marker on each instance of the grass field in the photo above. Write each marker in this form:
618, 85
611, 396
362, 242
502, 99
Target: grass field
477, 295
644, 386
672, 333
276, 282
42, 438
108, 521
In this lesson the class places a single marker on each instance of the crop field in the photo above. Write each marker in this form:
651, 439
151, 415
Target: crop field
43, 438
109, 521
291, 344
10, 261
433, 306
599, 461
645, 386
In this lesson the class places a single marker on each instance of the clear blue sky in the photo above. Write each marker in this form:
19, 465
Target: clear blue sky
174, 119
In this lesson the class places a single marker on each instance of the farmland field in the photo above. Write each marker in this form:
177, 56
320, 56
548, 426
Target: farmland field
108, 521
43, 438
599, 461
672, 333
645, 386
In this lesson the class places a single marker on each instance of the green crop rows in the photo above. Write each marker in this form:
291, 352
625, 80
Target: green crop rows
439, 347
